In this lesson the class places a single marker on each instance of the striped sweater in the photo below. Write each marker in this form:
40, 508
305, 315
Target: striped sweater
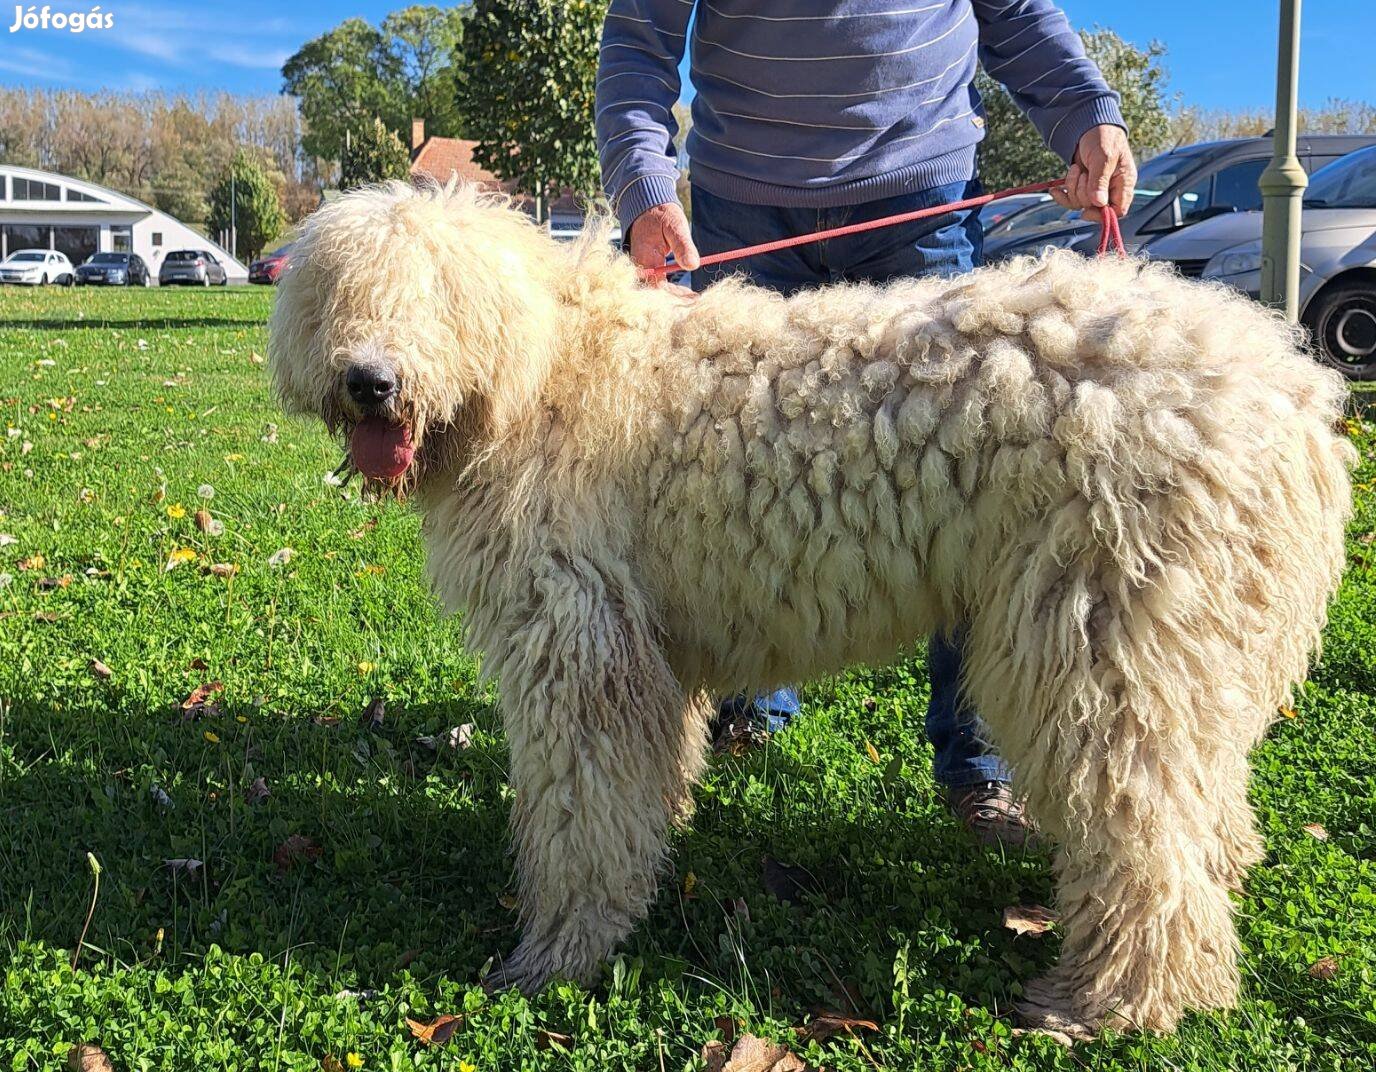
828, 102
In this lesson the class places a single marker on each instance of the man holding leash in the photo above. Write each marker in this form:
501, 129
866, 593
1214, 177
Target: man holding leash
813, 114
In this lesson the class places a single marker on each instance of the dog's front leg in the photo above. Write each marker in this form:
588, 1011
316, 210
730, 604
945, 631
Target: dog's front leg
605, 747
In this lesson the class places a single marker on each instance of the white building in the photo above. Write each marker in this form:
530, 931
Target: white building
41, 210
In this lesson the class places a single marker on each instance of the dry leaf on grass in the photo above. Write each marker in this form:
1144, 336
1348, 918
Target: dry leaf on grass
183, 867
33, 562
1028, 919
373, 714
295, 849
752, 1054
48, 584
437, 1032
88, 1057
1314, 830
258, 791
331, 1063
544, 1040
200, 704
1324, 968
100, 670
281, 556
872, 752
825, 1024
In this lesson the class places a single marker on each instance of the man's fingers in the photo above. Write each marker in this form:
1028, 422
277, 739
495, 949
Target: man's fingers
1120, 191
680, 238
1104, 170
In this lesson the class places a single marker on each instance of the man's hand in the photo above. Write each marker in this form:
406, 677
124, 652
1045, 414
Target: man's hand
1103, 173
659, 231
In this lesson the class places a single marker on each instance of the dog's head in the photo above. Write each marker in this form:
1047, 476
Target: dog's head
412, 319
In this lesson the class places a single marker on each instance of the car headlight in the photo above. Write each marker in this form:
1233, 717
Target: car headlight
1239, 260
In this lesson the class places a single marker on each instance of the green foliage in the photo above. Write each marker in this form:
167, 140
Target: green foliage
527, 91
256, 215
244, 965
1013, 153
356, 72
372, 154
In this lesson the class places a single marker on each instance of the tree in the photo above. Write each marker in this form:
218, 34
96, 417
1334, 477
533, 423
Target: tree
356, 72
257, 214
372, 154
526, 91
1013, 152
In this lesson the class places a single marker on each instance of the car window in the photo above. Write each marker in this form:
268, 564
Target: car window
28, 258
1347, 183
1032, 217
1231, 189
1159, 174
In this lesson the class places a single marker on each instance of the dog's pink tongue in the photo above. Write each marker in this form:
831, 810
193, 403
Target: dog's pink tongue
381, 449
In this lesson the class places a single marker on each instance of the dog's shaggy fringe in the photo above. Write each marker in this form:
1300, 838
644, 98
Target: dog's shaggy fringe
1129, 488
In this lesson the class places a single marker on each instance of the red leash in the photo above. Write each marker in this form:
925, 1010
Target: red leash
1110, 237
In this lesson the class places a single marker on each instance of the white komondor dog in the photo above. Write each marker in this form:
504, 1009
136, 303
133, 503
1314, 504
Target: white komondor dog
1130, 488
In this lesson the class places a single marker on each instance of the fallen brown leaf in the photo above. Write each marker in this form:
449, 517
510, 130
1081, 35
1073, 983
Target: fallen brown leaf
1314, 830
295, 849
714, 1055
727, 1026
88, 1057
33, 562
100, 670
872, 752
331, 1063
825, 1024
1028, 919
544, 1040
1324, 968
258, 791
373, 714
437, 1032
203, 519
223, 569
752, 1054
199, 704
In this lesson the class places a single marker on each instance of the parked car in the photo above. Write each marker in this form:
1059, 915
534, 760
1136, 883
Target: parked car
36, 267
1045, 217
1188, 185
1337, 260
996, 212
197, 267
269, 266
114, 269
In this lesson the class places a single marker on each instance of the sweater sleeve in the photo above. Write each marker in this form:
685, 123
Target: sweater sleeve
637, 85
1029, 47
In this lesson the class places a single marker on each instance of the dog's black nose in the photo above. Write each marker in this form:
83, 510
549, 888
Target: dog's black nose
370, 385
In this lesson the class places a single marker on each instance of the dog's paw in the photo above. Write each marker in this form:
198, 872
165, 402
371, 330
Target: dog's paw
529, 968
1047, 1010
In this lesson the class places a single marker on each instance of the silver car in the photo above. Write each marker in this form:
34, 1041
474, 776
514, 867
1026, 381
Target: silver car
1337, 260
194, 267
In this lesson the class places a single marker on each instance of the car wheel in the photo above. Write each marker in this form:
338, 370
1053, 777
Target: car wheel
1342, 323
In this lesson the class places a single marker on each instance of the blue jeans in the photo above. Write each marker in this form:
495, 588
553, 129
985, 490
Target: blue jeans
943, 245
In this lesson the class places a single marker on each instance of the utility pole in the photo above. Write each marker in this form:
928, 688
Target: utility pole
1284, 180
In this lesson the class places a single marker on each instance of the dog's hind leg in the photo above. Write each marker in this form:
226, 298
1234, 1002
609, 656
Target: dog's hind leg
1111, 729
605, 749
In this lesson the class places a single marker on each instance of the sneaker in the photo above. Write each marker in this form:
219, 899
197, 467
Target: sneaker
993, 815
745, 722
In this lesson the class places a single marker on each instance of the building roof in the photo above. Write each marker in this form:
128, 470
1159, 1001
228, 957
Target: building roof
445, 158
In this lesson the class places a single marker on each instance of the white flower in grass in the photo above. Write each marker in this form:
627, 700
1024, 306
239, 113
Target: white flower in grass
205, 491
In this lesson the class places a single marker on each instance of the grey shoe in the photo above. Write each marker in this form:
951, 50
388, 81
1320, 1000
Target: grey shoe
993, 815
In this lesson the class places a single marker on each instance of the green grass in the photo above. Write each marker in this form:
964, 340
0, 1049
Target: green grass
117, 407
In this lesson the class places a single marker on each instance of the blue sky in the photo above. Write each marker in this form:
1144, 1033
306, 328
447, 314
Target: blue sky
1220, 54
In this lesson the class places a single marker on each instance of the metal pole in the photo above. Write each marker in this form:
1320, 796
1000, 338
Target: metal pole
1284, 180
233, 214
